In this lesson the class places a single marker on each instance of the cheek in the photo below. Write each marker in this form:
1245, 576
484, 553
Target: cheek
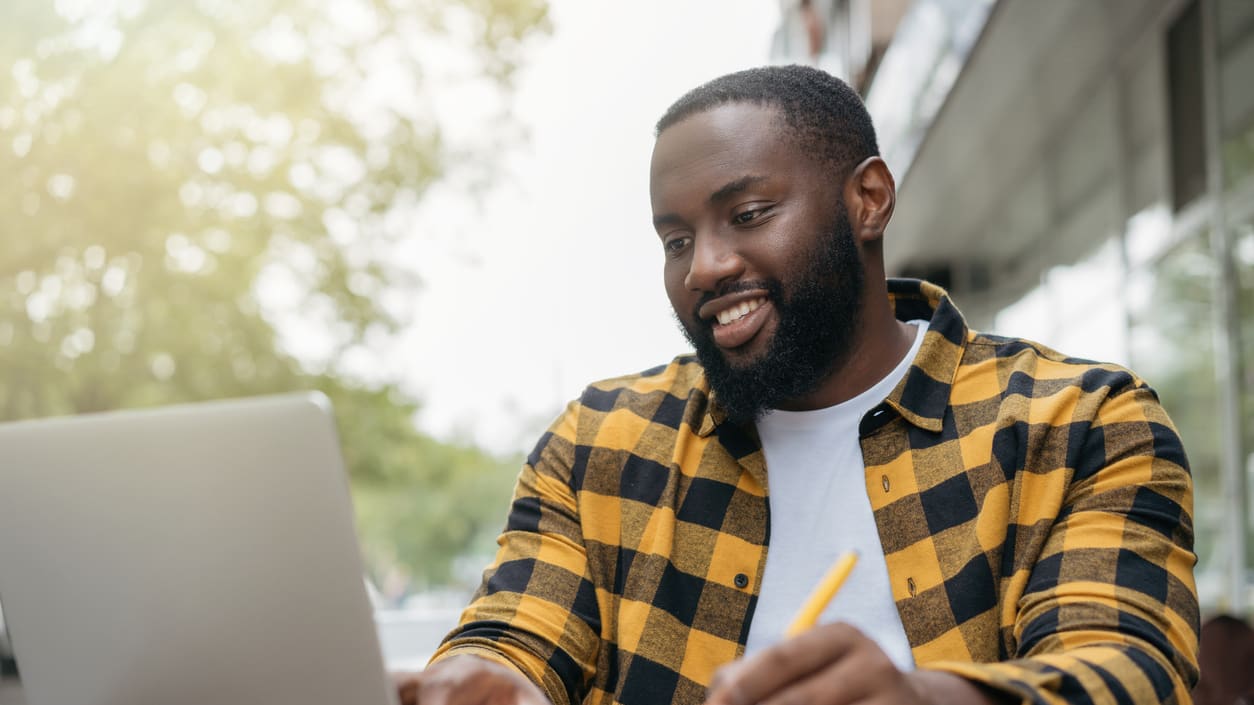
791, 246
673, 279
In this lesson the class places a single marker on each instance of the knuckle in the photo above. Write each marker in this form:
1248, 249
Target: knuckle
782, 655
724, 676
809, 692
796, 696
848, 632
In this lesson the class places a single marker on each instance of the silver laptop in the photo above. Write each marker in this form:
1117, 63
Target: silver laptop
201, 554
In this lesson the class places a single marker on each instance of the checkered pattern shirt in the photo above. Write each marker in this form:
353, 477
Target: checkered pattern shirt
1034, 509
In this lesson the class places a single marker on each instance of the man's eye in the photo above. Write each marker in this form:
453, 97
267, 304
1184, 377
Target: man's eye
676, 245
745, 217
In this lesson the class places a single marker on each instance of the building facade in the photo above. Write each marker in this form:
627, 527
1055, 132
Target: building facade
1082, 173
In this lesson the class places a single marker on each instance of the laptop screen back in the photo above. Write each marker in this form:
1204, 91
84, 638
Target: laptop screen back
195, 554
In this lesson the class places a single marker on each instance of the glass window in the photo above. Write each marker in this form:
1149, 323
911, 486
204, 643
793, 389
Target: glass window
1077, 308
1236, 65
1185, 101
1243, 251
1172, 346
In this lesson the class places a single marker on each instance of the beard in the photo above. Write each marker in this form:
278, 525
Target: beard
817, 319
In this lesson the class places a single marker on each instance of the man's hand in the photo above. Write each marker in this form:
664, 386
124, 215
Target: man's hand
467, 680
833, 664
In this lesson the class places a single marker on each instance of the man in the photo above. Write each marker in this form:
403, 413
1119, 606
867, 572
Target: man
1023, 518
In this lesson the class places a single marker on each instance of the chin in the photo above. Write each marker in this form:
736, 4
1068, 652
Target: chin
754, 352
745, 357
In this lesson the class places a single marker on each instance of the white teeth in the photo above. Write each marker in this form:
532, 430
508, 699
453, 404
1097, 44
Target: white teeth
738, 311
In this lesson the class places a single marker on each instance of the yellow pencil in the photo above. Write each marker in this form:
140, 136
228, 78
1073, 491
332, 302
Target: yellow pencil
822, 595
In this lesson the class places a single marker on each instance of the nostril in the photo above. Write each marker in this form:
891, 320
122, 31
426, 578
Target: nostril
713, 273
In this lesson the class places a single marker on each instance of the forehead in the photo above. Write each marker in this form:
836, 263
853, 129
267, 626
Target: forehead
722, 144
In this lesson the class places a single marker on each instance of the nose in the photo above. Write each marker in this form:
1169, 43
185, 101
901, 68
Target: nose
713, 262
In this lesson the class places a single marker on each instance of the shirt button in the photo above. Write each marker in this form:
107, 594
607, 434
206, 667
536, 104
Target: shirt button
741, 580
884, 481
914, 590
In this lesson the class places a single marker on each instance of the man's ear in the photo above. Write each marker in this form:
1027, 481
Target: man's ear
870, 196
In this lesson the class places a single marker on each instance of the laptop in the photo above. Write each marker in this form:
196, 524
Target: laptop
200, 555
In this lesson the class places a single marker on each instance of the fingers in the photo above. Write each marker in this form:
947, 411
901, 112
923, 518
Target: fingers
406, 686
467, 680
753, 679
461, 680
863, 676
831, 664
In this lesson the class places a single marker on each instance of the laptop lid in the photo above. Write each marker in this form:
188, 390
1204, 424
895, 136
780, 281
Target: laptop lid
193, 554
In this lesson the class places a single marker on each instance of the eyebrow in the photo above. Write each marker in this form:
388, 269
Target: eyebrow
732, 188
723, 193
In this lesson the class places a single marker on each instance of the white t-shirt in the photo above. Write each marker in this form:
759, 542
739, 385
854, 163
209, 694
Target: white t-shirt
819, 510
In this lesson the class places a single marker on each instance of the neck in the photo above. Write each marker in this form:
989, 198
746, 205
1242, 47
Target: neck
881, 343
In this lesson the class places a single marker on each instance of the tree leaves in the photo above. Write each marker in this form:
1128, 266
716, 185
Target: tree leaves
183, 177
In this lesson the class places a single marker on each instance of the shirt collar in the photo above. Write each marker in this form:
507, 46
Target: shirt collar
923, 395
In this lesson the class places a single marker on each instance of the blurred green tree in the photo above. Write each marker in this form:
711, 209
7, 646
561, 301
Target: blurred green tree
1175, 329
202, 199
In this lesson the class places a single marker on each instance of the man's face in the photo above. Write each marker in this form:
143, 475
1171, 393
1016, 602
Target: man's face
761, 265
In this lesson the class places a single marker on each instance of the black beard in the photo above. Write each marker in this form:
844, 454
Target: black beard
818, 316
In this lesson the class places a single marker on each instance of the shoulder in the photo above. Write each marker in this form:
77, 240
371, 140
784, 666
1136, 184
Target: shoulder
612, 412
1027, 367
1048, 410
655, 404
1101, 409
640, 414
673, 384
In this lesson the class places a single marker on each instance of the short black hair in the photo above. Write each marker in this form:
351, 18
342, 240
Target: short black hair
824, 114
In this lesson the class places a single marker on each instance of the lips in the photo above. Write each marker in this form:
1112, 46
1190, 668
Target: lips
739, 310
738, 323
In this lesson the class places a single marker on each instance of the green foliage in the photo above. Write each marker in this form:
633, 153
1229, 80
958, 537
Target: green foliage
421, 504
1177, 356
173, 167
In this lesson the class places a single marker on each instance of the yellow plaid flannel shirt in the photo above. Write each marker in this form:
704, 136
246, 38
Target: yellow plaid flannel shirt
1035, 514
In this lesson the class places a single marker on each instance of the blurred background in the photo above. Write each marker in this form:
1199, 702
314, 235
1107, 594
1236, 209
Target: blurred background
436, 211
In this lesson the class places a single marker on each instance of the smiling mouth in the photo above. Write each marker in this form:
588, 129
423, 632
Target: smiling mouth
736, 325
738, 311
